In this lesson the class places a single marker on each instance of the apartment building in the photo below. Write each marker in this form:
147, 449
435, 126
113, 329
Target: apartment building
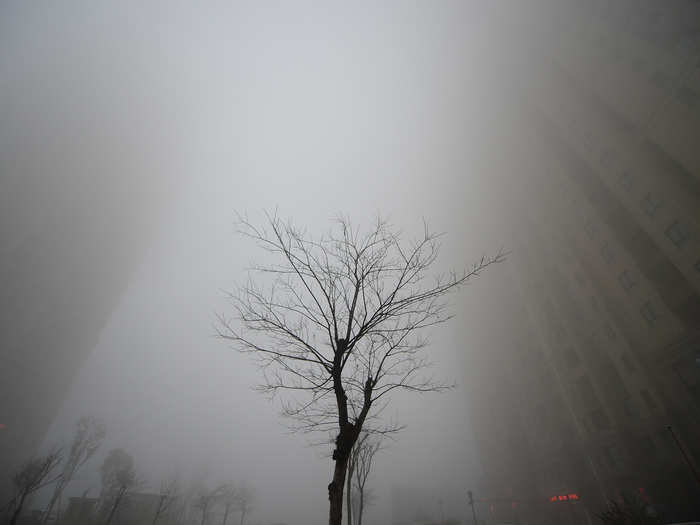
604, 285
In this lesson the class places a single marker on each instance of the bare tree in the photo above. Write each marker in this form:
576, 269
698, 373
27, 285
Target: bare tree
341, 322
167, 496
352, 464
30, 477
89, 434
364, 456
185, 503
245, 497
204, 501
118, 479
228, 494
368, 499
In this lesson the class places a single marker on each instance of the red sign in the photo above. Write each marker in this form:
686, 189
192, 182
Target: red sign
565, 497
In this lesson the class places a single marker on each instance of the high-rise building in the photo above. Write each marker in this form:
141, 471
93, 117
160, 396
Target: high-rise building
573, 402
69, 247
88, 166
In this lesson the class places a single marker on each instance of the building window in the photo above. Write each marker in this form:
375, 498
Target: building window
687, 370
588, 141
646, 396
572, 359
627, 408
610, 332
651, 204
626, 180
626, 280
677, 233
559, 330
629, 364
600, 420
607, 253
590, 229
648, 313
659, 80
606, 158
613, 457
648, 447
687, 96
586, 393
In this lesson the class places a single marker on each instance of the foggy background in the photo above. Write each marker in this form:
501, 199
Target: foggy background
314, 110
171, 117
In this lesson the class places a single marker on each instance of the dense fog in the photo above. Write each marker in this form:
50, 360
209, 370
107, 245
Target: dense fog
132, 134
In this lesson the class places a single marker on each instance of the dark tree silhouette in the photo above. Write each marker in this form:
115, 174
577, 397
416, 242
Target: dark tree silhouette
30, 477
88, 437
204, 502
340, 321
245, 498
228, 495
167, 496
118, 478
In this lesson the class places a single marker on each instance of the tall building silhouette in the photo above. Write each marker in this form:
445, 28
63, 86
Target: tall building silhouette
70, 245
601, 303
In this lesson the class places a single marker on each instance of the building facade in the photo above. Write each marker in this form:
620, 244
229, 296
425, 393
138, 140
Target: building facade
70, 244
572, 407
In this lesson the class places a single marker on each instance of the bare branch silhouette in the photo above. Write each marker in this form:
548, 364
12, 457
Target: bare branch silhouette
30, 477
339, 320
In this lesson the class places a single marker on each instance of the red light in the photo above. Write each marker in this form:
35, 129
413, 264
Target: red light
565, 497
643, 494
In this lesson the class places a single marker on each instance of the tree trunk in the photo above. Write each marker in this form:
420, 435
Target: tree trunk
335, 491
348, 498
120, 494
243, 512
160, 506
226, 514
15, 514
58, 508
362, 506
54, 499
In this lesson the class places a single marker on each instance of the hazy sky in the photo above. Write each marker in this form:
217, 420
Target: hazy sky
312, 108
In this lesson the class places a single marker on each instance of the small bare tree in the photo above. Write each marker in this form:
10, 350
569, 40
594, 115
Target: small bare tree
352, 464
363, 457
368, 499
341, 322
30, 477
245, 499
228, 495
204, 501
167, 496
89, 434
